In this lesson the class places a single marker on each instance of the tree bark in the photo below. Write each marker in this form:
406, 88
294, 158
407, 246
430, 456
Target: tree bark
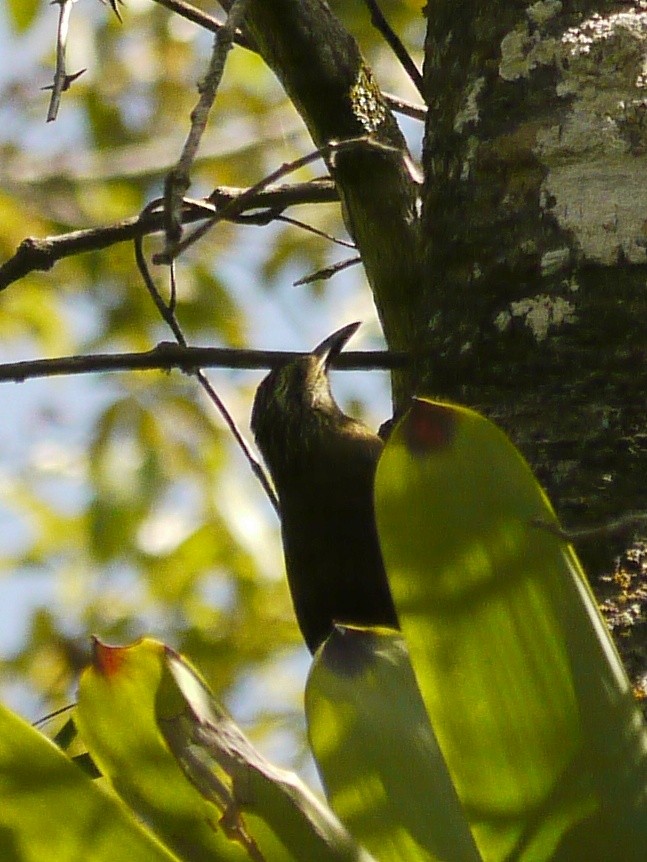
535, 236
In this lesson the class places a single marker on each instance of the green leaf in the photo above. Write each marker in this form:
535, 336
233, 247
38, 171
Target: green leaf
172, 753
116, 720
203, 735
48, 802
379, 759
524, 689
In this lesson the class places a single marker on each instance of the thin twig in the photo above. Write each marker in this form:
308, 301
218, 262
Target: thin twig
172, 303
327, 271
393, 40
115, 7
619, 525
254, 463
402, 106
52, 715
179, 178
168, 315
235, 206
315, 230
62, 80
208, 22
165, 312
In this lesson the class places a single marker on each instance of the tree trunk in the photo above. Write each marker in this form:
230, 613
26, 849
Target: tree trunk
534, 252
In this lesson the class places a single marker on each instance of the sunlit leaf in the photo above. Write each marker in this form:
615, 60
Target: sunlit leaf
173, 754
524, 689
50, 807
377, 754
116, 720
254, 790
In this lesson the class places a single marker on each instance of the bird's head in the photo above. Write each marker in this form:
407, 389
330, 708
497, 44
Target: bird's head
294, 405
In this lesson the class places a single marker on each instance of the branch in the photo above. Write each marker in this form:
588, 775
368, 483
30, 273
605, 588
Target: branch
315, 230
62, 80
393, 40
167, 355
167, 313
402, 106
327, 152
40, 254
624, 524
208, 22
327, 271
179, 178
34, 254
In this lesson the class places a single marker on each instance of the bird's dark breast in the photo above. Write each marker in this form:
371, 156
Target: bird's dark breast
332, 554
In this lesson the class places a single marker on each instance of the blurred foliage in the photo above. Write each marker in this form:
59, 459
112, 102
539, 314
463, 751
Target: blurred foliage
126, 509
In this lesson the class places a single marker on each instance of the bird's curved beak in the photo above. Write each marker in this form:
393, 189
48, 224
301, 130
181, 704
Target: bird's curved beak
333, 345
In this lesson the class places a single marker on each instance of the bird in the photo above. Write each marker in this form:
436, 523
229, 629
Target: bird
322, 463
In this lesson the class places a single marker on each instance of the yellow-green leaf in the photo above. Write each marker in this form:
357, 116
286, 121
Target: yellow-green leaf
116, 720
376, 751
286, 818
176, 757
524, 689
50, 809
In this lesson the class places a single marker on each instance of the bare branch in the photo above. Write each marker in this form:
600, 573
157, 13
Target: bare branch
393, 40
208, 22
402, 106
167, 355
167, 312
62, 80
179, 178
327, 151
623, 524
34, 254
324, 74
315, 230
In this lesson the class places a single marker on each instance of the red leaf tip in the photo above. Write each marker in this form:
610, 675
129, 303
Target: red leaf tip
428, 427
106, 659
